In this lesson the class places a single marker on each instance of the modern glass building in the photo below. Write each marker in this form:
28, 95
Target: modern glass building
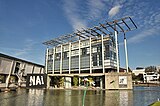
88, 52
83, 56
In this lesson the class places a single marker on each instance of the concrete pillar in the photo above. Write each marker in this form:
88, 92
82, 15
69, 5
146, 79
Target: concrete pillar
67, 82
48, 82
101, 83
8, 77
79, 80
118, 81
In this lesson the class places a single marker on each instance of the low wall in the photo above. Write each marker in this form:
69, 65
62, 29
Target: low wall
118, 81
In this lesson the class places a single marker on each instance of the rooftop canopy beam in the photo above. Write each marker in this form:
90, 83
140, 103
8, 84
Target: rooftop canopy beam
108, 28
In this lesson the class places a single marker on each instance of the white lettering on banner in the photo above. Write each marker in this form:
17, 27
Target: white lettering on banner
32, 80
42, 80
36, 80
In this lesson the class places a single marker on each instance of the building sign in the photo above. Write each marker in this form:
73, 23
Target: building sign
36, 81
122, 81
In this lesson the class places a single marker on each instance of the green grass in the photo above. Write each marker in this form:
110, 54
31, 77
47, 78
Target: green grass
155, 104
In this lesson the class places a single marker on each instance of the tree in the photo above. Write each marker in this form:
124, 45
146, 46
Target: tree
129, 70
75, 80
2, 79
133, 76
159, 71
61, 81
150, 69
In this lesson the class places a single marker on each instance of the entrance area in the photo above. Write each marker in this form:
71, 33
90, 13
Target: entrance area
77, 82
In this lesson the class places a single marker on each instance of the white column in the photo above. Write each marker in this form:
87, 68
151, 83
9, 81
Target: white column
48, 82
79, 56
53, 60
117, 53
7, 80
126, 52
61, 59
90, 54
102, 53
69, 57
46, 62
79, 80
101, 83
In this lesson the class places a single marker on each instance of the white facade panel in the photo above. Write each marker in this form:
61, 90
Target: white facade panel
37, 70
28, 68
5, 66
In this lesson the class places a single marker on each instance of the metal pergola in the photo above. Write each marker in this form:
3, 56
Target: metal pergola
122, 25
114, 28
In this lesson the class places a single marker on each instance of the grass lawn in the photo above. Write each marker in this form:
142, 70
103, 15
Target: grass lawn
155, 104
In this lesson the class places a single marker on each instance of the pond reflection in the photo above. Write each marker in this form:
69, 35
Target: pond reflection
40, 97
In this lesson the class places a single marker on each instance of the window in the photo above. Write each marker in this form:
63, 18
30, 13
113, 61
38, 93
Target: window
50, 57
57, 56
94, 59
84, 51
99, 48
17, 68
65, 55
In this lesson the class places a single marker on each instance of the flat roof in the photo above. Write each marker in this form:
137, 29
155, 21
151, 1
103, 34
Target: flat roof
18, 59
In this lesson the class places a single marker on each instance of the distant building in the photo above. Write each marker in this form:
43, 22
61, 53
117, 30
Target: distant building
17, 69
150, 77
158, 68
138, 70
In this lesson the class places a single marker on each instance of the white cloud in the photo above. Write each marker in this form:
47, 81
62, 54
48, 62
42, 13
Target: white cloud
142, 35
114, 10
20, 52
71, 10
96, 8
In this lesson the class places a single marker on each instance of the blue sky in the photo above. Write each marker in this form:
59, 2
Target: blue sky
26, 24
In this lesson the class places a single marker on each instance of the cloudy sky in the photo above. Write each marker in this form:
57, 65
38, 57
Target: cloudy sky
26, 24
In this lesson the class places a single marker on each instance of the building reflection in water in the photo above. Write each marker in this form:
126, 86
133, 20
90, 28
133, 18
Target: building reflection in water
74, 98
40, 97
35, 97
119, 98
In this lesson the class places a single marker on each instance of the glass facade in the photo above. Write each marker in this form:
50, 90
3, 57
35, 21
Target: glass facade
76, 57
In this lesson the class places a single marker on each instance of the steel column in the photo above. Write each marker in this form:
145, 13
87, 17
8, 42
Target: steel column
46, 62
117, 51
126, 52
61, 59
69, 57
79, 56
53, 60
90, 54
102, 53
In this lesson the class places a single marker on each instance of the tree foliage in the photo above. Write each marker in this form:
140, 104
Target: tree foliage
150, 69
137, 78
75, 80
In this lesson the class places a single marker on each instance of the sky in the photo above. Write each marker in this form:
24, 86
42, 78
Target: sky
26, 24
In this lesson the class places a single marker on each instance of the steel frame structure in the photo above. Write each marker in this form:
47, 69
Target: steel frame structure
122, 25
112, 28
